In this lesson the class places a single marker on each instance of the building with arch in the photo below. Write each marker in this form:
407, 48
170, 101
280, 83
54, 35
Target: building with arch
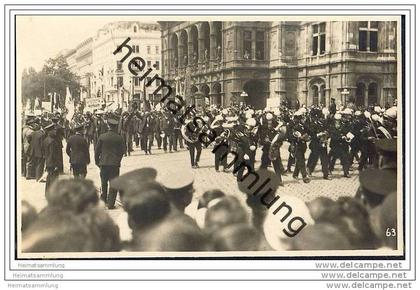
266, 63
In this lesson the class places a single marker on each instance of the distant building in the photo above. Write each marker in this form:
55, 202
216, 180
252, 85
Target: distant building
112, 79
265, 63
103, 75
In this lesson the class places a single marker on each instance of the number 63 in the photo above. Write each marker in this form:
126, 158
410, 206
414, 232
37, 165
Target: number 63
390, 232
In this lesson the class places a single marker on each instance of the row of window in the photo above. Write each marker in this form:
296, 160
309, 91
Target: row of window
156, 65
136, 49
368, 37
137, 82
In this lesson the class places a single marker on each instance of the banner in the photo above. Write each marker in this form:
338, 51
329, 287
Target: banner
93, 104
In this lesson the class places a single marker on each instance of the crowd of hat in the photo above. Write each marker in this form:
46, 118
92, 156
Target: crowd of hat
165, 213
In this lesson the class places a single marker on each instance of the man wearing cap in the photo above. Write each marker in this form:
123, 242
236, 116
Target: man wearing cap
37, 149
78, 150
375, 186
108, 154
52, 150
318, 144
27, 164
298, 137
179, 189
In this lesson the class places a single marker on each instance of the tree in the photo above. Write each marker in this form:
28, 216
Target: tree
58, 77
55, 76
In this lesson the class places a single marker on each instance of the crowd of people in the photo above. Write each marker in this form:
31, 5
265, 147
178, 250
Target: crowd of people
75, 215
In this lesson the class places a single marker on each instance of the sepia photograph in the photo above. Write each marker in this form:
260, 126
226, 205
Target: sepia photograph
209, 136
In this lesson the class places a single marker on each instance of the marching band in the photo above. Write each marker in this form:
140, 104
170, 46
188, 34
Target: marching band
346, 134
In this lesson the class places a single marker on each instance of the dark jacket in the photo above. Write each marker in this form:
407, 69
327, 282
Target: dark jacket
109, 149
52, 152
37, 146
78, 150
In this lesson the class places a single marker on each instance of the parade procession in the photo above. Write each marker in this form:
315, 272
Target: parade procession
139, 171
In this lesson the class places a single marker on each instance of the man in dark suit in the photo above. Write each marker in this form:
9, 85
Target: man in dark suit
37, 150
78, 150
52, 151
108, 154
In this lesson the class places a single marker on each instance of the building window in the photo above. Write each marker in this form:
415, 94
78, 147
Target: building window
315, 95
157, 49
136, 81
120, 81
149, 63
135, 28
112, 81
157, 65
259, 46
368, 36
148, 49
247, 44
136, 49
149, 79
119, 65
318, 39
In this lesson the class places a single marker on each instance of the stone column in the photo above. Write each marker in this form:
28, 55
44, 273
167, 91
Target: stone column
212, 52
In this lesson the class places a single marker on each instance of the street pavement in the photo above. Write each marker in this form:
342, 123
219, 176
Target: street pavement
205, 178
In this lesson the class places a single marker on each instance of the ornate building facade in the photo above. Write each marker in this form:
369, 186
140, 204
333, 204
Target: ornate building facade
101, 72
265, 63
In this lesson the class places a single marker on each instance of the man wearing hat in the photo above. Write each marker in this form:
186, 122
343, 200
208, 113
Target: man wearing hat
375, 186
52, 150
27, 132
78, 150
60, 133
387, 151
108, 154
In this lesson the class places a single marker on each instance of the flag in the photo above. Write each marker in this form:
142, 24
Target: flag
69, 105
146, 101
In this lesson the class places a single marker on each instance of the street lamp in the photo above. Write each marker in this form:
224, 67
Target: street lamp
243, 96
345, 93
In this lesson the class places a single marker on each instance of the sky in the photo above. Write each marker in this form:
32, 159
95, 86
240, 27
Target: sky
41, 37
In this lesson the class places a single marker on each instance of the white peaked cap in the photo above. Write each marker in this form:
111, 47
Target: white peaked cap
347, 111
391, 112
377, 109
357, 113
225, 111
269, 116
251, 122
375, 117
219, 118
248, 115
367, 114
337, 116
298, 113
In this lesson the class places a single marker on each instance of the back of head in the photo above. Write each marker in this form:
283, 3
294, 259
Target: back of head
175, 233
29, 214
226, 211
146, 206
352, 219
318, 206
237, 237
208, 196
322, 236
103, 230
56, 230
72, 194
